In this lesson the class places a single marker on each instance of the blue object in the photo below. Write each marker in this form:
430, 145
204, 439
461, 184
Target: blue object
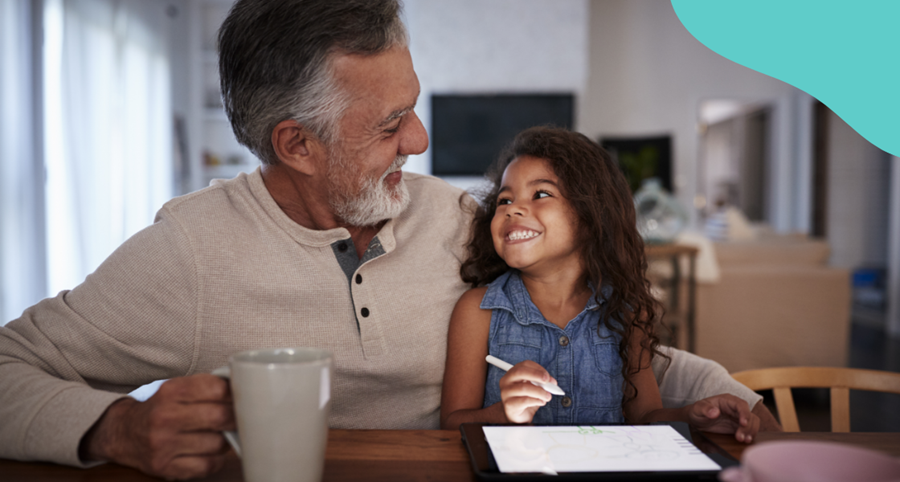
868, 277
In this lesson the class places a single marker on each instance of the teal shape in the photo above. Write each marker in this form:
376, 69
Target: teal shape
844, 53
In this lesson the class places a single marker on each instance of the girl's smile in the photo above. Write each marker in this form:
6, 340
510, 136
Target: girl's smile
518, 234
534, 225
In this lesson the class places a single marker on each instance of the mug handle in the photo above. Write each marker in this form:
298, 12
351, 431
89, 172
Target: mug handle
230, 435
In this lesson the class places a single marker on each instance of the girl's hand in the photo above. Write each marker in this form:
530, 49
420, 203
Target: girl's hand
521, 398
724, 414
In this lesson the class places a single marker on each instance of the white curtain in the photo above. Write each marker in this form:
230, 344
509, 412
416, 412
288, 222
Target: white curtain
22, 262
107, 128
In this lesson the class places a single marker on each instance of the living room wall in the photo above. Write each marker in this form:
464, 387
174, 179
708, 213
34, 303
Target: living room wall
648, 75
859, 184
502, 46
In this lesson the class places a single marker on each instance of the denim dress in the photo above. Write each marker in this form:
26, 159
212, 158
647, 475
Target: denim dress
584, 360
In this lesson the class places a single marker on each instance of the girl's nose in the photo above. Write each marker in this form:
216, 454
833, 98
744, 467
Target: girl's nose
516, 208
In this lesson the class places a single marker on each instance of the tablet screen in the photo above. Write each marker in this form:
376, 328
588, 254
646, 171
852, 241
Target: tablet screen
605, 448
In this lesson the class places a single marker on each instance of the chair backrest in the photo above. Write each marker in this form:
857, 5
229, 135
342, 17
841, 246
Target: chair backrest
840, 380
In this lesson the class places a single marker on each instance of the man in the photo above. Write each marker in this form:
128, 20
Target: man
327, 245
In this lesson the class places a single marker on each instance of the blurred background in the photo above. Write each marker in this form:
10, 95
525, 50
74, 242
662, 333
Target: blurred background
786, 224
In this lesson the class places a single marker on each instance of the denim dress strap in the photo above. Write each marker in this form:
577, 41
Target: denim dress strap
583, 357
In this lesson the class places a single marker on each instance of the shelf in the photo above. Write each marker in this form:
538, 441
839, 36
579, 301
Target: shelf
676, 290
215, 114
213, 14
868, 316
209, 134
227, 171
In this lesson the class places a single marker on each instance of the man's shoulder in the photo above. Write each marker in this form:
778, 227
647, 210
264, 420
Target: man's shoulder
438, 214
222, 201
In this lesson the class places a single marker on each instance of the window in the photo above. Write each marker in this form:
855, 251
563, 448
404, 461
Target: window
103, 137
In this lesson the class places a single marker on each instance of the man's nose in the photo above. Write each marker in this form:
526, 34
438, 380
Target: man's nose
415, 139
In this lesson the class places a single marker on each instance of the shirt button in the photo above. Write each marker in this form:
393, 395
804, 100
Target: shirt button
359, 279
364, 312
564, 340
566, 402
342, 247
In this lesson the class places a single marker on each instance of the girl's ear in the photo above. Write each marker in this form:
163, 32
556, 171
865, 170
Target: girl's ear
298, 148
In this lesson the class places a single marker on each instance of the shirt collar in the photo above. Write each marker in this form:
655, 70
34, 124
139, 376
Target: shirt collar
508, 292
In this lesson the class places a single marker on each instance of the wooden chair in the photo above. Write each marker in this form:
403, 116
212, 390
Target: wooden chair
840, 380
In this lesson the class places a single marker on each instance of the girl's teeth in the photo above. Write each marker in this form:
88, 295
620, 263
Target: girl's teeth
517, 235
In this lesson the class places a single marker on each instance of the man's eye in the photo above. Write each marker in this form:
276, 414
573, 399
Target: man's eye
541, 194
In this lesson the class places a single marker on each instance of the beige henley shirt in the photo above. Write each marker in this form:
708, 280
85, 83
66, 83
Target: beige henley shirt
224, 270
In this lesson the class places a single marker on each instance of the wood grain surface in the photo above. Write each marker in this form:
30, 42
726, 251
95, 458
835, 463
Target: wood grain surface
395, 455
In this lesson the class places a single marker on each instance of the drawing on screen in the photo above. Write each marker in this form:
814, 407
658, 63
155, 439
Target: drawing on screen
589, 443
607, 448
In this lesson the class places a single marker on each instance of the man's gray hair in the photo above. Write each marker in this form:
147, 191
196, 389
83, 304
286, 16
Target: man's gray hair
275, 62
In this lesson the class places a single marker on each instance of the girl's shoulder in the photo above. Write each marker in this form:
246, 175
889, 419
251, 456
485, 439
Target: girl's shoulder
472, 298
468, 316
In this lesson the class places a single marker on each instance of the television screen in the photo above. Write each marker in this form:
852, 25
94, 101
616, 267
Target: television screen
469, 131
641, 158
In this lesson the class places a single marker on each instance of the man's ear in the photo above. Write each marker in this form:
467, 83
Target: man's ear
297, 147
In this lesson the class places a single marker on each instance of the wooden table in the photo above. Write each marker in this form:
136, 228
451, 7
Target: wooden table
887, 442
394, 455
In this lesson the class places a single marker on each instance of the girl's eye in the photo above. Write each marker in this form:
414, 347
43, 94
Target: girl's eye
541, 194
501, 202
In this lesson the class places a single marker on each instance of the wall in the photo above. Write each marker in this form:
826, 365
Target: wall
473, 46
893, 282
648, 75
859, 177
179, 61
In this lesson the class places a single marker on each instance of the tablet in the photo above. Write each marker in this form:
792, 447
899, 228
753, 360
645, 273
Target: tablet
653, 452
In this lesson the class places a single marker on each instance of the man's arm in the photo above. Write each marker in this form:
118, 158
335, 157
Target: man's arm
70, 357
690, 378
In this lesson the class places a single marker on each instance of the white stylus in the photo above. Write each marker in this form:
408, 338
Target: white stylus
550, 387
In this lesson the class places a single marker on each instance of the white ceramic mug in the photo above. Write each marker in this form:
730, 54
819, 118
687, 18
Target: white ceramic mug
282, 398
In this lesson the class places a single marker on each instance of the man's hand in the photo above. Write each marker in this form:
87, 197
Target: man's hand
176, 434
724, 414
767, 421
521, 399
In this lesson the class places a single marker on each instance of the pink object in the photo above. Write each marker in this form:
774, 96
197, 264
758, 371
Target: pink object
801, 461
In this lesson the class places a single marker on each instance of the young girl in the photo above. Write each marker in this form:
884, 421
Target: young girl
557, 268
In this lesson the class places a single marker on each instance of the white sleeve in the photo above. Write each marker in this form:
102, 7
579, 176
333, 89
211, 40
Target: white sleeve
690, 378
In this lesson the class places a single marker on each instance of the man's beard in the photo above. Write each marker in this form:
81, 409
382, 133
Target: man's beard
372, 201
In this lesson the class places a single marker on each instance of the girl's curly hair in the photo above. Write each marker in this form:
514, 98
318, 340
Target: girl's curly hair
611, 248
